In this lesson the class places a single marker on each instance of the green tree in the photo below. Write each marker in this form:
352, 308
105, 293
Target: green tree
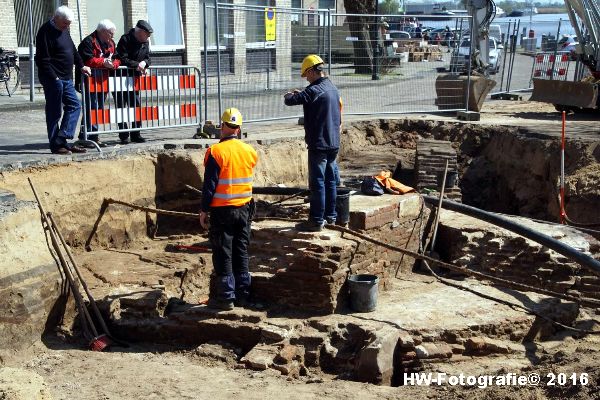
389, 7
361, 28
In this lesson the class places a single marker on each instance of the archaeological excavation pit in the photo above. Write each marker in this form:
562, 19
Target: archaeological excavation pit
150, 284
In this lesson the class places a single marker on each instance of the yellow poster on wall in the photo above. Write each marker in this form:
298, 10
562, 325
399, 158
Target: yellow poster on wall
270, 25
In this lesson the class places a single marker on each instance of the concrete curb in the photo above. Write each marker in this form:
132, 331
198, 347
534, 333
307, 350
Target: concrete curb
23, 106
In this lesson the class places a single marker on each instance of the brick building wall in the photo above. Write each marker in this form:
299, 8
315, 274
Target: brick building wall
192, 32
8, 33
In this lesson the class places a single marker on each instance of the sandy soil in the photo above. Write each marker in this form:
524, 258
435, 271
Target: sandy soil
140, 372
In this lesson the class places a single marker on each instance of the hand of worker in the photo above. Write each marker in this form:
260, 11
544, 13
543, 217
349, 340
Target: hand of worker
293, 92
204, 219
141, 66
86, 71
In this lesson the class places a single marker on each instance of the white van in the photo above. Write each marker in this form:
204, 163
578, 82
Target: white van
495, 32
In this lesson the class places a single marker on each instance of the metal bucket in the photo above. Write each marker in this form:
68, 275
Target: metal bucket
342, 206
363, 292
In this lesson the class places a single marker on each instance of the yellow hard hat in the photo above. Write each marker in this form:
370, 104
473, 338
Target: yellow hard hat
232, 116
309, 62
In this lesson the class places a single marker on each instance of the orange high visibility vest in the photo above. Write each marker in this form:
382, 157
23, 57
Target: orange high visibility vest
236, 161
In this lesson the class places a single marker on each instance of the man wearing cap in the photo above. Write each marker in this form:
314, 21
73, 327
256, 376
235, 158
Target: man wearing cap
322, 123
227, 196
55, 56
133, 51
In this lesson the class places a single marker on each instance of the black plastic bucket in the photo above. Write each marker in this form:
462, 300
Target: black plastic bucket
363, 292
342, 206
451, 179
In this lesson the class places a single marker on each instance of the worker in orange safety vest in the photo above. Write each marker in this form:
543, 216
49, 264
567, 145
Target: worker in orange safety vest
227, 196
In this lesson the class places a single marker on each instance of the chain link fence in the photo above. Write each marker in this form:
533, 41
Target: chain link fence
377, 66
521, 40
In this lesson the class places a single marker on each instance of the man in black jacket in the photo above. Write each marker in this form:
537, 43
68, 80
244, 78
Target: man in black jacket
55, 56
322, 124
133, 50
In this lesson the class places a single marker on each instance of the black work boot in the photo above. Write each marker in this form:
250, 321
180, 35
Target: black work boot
137, 138
309, 226
217, 304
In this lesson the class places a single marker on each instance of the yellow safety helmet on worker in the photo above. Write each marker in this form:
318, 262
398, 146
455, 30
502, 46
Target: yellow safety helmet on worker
309, 62
232, 116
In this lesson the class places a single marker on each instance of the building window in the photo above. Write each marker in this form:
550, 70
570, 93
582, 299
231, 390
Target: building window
165, 18
255, 22
111, 9
326, 4
225, 25
42, 12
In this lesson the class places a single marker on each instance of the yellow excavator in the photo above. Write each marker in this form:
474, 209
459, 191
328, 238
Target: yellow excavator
582, 94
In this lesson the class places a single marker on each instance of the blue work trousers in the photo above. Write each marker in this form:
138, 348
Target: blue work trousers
322, 179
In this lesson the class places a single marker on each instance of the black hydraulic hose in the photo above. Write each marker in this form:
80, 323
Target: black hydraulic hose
571, 253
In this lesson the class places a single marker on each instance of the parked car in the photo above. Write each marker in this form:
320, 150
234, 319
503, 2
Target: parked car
399, 35
495, 53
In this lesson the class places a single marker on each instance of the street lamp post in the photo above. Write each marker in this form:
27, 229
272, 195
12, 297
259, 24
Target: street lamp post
375, 75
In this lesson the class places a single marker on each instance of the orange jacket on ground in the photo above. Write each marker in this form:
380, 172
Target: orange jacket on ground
391, 185
236, 161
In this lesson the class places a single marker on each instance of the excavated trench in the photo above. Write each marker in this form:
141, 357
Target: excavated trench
150, 286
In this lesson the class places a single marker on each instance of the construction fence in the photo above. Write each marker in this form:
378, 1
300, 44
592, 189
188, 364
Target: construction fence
525, 44
125, 100
376, 68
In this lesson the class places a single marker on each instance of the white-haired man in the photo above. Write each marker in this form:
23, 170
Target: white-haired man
97, 51
55, 56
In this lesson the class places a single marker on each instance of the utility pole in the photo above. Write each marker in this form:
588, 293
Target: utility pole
375, 38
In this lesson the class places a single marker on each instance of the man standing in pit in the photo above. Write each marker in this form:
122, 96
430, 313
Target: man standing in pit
227, 196
133, 51
322, 123
55, 56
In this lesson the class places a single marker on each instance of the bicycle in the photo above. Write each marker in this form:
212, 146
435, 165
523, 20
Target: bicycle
10, 74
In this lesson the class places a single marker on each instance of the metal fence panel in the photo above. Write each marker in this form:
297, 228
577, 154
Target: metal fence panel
519, 50
125, 100
378, 70
375, 71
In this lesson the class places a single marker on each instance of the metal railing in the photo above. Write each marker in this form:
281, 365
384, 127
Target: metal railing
376, 71
126, 100
518, 57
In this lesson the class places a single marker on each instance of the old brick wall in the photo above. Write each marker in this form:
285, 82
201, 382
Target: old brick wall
308, 271
486, 248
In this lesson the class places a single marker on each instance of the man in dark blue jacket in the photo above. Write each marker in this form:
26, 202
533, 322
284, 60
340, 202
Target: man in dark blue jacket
322, 123
55, 56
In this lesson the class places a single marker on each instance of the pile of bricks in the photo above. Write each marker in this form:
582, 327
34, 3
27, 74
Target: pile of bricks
420, 51
430, 163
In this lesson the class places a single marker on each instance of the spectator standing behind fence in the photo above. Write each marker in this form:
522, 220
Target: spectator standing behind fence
97, 51
55, 56
133, 51
448, 37
322, 123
